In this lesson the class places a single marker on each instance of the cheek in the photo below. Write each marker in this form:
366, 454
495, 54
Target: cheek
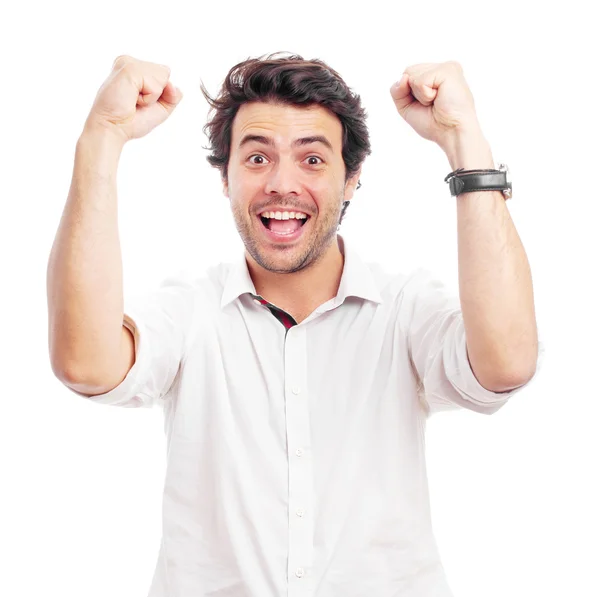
241, 182
325, 193
238, 189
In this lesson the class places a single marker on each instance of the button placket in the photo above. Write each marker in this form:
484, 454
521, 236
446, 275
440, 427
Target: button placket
301, 531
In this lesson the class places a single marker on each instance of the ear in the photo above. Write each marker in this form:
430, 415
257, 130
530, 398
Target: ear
351, 185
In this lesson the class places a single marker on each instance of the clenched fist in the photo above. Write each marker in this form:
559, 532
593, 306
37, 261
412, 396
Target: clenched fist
135, 98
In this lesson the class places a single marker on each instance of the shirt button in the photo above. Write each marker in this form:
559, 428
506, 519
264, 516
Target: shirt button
300, 512
299, 452
295, 390
300, 572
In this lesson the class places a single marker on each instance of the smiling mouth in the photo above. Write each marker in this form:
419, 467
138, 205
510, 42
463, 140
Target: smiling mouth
291, 224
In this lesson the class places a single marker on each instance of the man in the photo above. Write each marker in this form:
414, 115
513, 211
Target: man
296, 384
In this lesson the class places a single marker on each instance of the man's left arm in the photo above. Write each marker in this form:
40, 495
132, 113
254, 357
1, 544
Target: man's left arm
496, 290
495, 285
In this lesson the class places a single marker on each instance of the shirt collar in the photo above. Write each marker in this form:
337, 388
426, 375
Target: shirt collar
357, 279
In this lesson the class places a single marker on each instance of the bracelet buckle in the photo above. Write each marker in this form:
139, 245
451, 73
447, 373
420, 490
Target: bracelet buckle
506, 192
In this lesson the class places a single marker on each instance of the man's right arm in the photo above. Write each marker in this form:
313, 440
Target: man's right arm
90, 349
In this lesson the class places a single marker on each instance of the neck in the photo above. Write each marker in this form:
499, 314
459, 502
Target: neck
301, 292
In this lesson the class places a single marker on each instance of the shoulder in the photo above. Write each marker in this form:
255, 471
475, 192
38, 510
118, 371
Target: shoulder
205, 290
398, 284
183, 290
415, 293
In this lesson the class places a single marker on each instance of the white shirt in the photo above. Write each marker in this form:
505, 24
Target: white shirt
296, 457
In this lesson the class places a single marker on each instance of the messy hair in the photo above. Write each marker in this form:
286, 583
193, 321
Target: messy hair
286, 80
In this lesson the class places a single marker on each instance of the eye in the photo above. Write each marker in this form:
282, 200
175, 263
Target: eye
261, 157
314, 157
256, 155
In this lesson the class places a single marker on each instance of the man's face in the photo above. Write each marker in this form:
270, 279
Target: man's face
280, 173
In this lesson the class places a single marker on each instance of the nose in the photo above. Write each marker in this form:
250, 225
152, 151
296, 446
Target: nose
283, 179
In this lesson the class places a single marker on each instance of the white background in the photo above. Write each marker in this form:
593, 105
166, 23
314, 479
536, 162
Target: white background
515, 496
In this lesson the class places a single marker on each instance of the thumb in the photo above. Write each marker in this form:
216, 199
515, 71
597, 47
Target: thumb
163, 108
171, 96
401, 94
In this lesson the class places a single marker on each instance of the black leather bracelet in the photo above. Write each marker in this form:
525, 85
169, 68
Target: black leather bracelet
469, 181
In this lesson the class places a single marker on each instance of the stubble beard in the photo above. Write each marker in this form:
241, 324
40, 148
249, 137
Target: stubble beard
294, 258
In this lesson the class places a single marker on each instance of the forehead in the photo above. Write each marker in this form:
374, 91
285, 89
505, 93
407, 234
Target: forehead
285, 122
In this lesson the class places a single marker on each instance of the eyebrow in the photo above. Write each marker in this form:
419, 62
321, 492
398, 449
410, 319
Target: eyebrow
296, 143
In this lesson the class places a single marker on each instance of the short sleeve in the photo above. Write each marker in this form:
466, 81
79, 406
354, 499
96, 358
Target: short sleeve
438, 350
160, 323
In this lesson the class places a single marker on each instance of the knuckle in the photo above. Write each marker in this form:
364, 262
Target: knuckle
121, 60
161, 71
130, 73
128, 69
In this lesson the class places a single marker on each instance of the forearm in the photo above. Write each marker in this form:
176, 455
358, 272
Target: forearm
84, 276
496, 291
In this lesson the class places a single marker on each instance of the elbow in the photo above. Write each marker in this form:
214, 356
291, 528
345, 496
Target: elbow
70, 375
65, 372
91, 385
503, 384
506, 373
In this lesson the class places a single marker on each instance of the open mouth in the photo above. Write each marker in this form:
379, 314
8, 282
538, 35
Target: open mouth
283, 225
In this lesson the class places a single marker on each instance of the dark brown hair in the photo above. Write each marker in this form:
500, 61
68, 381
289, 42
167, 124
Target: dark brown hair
288, 80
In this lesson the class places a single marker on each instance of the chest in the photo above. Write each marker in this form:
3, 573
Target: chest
255, 376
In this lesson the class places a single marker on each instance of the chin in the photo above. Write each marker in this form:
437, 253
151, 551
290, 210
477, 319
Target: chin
278, 260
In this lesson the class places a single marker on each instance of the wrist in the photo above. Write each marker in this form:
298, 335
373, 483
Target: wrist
469, 151
98, 149
103, 134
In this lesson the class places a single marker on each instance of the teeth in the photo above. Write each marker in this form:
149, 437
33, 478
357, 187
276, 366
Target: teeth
286, 215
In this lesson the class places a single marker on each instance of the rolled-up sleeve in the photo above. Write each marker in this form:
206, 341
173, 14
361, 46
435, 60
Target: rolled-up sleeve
160, 323
437, 348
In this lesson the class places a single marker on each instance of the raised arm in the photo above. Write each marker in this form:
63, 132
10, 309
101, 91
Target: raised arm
90, 349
